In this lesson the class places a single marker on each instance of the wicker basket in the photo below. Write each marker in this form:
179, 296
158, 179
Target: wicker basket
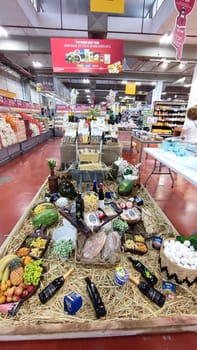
173, 271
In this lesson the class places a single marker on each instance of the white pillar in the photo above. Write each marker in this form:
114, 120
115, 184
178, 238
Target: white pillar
193, 91
156, 96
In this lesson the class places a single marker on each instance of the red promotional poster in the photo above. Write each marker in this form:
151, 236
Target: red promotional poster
86, 55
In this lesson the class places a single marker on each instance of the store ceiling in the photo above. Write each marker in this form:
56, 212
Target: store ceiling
29, 40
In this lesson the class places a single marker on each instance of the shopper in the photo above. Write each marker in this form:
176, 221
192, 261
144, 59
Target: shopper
189, 130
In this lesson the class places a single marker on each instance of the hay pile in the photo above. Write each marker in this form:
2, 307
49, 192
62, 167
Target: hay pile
122, 303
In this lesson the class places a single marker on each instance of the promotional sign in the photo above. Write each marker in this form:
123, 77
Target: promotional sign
184, 7
86, 55
113, 6
130, 88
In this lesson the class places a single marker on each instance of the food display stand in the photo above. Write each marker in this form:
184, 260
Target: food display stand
110, 152
128, 312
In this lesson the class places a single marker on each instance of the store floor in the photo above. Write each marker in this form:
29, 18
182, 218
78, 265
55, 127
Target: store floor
20, 180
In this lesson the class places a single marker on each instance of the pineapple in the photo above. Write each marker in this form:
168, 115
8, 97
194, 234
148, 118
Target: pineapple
16, 271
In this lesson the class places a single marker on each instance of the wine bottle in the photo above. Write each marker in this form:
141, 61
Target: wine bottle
95, 298
49, 291
150, 292
94, 188
101, 196
148, 276
79, 207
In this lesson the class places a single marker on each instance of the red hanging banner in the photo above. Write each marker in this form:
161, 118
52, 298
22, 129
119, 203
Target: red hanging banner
184, 7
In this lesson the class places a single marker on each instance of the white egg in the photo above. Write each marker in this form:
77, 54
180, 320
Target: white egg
179, 253
183, 260
176, 259
172, 241
187, 243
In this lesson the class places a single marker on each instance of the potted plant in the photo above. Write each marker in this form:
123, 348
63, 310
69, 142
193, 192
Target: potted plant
63, 249
52, 178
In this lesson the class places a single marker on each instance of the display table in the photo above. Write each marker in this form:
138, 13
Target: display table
110, 152
141, 143
184, 166
128, 311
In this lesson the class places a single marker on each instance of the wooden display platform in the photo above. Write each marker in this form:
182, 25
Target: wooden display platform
128, 311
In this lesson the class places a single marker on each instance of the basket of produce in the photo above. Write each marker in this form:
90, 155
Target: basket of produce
179, 260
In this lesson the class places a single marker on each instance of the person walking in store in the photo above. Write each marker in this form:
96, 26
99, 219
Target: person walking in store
189, 130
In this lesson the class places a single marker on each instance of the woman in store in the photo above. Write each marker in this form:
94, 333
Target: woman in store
189, 130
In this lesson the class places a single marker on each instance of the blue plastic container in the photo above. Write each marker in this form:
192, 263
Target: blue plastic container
72, 303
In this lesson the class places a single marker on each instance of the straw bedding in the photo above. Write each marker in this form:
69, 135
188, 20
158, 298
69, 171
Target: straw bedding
122, 303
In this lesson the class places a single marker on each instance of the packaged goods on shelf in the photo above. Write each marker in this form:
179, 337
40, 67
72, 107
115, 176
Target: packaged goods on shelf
70, 135
96, 135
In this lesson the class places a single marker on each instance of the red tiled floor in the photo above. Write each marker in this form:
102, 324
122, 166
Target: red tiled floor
29, 171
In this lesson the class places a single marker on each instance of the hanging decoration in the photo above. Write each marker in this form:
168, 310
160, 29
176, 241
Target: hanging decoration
184, 7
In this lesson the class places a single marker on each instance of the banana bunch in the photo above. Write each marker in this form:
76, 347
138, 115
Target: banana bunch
4, 267
41, 207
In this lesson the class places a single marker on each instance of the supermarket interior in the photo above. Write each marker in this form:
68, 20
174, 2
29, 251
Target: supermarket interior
98, 174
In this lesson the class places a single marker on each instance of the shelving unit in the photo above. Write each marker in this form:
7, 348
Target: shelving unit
169, 116
17, 149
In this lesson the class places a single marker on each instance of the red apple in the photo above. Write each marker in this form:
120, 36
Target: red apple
24, 293
23, 285
16, 297
18, 291
30, 288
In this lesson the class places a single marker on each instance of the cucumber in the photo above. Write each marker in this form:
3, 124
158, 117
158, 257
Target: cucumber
47, 217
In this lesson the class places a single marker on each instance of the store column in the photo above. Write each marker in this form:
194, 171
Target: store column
156, 96
193, 95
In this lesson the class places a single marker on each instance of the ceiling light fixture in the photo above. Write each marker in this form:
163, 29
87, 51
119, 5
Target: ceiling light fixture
37, 64
166, 39
3, 32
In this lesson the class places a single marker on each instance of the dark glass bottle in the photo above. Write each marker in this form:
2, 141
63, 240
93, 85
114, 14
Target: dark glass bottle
50, 290
101, 196
150, 292
79, 207
94, 187
95, 298
148, 276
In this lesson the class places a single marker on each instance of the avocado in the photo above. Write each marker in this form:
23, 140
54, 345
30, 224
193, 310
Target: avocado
125, 187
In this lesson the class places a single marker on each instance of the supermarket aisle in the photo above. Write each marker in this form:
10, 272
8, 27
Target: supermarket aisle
21, 179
